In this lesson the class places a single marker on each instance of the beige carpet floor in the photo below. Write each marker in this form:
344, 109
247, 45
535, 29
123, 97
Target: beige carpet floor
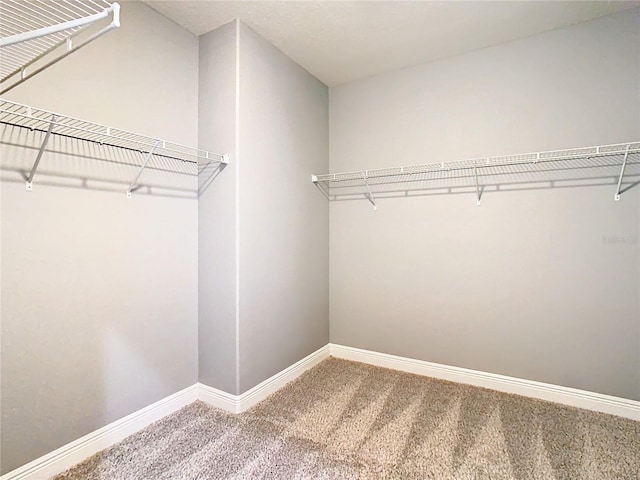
347, 420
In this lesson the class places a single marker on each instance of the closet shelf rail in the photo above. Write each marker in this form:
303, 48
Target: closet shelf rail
38, 120
364, 177
35, 34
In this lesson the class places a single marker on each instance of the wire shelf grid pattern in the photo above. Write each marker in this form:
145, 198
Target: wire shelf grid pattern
35, 119
31, 29
615, 164
331, 180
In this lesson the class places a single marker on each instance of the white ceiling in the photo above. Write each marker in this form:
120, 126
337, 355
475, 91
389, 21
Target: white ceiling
340, 41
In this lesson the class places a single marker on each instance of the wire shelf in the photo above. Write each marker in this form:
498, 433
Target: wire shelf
471, 173
36, 119
575, 153
35, 34
154, 150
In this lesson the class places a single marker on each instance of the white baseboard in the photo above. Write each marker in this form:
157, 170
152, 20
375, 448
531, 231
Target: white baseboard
240, 403
261, 391
544, 391
217, 398
69, 455
75, 452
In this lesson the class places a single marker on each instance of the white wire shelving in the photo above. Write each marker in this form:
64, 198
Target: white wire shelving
49, 123
472, 168
35, 34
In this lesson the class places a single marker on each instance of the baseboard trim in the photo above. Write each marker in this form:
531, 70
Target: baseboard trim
240, 403
261, 391
75, 452
544, 391
69, 455
217, 398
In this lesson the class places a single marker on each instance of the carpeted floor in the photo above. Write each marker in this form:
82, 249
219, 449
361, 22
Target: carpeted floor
348, 420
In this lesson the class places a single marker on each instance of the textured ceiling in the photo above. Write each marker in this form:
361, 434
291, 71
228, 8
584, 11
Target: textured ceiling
340, 41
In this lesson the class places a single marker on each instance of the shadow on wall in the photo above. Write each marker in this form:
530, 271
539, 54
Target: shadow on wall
73, 163
99, 294
587, 172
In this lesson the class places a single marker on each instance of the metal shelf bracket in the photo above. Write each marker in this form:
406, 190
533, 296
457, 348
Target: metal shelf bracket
144, 165
478, 194
616, 197
369, 195
29, 185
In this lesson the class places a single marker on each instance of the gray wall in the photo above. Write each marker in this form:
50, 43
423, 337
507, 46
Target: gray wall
99, 293
217, 238
525, 284
264, 294
284, 233
107, 316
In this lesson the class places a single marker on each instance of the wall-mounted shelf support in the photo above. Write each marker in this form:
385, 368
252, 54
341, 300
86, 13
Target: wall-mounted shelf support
616, 197
478, 195
222, 160
369, 194
29, 185
319, 186
144, 165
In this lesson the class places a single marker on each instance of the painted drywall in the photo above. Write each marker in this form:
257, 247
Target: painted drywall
99, 292
529, 284
263, 228
283, 243
217, 311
